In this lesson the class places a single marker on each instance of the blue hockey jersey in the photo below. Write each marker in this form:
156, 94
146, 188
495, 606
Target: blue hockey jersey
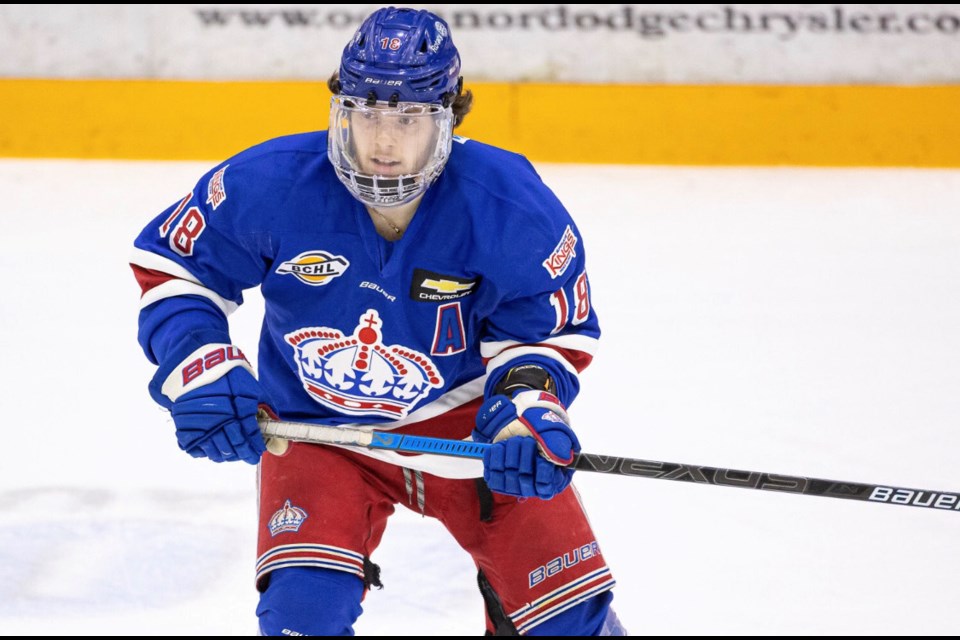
360, 331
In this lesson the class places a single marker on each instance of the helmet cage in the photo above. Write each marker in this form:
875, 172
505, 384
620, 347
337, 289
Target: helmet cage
418, 131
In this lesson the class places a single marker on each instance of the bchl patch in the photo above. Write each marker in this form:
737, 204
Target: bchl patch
359, 375
563, 254
428, 286
287, 520
216, 191
315, 268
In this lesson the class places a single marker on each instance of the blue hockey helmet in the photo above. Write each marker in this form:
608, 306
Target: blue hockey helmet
402, 55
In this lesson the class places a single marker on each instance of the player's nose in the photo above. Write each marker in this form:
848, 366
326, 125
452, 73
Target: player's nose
386, 135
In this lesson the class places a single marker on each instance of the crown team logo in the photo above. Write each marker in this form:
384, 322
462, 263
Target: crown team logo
287, 520
359, 375
315, 268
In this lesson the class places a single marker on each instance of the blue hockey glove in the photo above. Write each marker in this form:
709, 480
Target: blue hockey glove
213, 397
532, 444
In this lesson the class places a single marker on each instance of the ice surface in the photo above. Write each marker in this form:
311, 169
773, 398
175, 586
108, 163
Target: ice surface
796, 321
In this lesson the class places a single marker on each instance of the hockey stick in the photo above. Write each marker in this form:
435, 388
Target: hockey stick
885, 494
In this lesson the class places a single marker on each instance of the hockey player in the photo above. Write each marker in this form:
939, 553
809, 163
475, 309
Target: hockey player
415, 281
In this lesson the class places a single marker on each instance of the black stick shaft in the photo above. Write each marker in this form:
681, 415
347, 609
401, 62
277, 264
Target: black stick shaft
884, 494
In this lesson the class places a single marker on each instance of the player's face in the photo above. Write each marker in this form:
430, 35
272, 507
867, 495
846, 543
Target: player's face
394, 141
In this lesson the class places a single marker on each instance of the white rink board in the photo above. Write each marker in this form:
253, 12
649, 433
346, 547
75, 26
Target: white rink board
565, 43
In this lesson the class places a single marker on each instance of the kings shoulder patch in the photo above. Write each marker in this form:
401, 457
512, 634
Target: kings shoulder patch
216, 190
562, 255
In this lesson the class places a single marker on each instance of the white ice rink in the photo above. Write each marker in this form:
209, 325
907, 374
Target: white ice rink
793, 321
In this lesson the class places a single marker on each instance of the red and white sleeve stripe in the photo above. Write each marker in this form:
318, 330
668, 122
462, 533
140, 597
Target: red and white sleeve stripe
161, 278
573, 352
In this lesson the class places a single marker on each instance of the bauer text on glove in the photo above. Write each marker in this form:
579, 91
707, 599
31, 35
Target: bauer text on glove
213, 397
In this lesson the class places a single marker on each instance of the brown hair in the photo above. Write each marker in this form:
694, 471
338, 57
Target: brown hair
461, 106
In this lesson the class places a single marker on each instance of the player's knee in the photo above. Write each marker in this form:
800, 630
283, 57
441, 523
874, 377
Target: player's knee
593, 617
307, 601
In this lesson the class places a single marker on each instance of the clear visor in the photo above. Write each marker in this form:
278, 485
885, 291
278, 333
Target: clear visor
388, 155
